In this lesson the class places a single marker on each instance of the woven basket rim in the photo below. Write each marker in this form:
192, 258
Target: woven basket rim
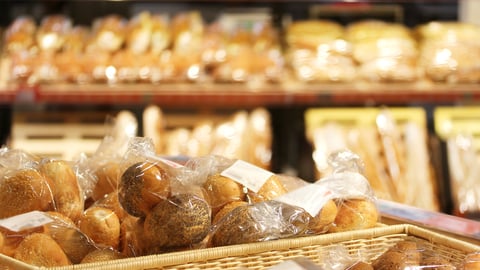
182, 257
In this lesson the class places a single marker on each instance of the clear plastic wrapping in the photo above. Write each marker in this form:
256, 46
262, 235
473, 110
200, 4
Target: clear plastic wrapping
448, 53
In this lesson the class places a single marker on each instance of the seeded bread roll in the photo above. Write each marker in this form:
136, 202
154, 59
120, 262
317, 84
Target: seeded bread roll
41, 250
27, 190
101, 225
227, 209
141, 187
181, 221
66, 190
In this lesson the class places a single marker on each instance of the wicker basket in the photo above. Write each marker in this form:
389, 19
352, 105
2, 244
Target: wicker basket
372, 243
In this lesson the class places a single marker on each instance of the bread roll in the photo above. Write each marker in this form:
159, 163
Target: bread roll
227, 208
67, 196
222, 190
101, 255
109, 33
41, 250
52, 31
101, 225
324, 219
355, 214
259, 222
19, 36
311, 33
472, 261
271, 189
141, 187
108, 177
181, 221
65, 232
27, 190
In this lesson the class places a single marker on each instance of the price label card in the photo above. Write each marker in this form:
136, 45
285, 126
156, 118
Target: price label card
25, 221
311, 197
247, 174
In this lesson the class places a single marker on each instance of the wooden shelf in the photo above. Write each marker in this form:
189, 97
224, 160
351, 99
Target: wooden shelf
242, 95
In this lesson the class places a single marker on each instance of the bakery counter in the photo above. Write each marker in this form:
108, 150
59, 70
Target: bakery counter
243, 95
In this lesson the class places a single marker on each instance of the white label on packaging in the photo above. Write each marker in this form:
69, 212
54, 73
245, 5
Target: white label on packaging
247, 174
25, 221
311, 197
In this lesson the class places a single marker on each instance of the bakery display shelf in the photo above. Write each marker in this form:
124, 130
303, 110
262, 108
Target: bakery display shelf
245, 95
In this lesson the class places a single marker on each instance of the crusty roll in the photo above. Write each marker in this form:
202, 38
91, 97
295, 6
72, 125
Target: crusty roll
355, 214
41, 250
26, 190
65, 232
222, 190
66, 192
101, 225
108, 177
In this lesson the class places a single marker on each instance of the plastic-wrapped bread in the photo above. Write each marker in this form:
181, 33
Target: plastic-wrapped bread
448, 53
20, 34
109, 33
161, 36
318, 52
139, 33
76, 39
384, 51
52, 32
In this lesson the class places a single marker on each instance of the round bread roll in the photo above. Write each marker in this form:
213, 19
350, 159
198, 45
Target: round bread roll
259, 222
108, 177
412, 252
101, 225
131, 236
181, 221
271, 189
111, 202
101, 255
66, 190
390, 260
27, 190
355, 214
141, 187
73, 242
324, 219
472, 261
41, 250
221, 190
227, 209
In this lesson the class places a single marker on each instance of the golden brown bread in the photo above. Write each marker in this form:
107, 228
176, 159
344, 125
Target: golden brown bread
66, 192
181, 221
355, 214
141, 187
108, 177
41, 250
65, 232
101, 225
27, 190
271, 189
100, 255
324, 219
227, 208
221, 190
